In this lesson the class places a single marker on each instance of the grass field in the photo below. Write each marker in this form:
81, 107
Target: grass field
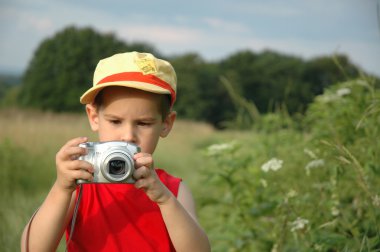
307, 185
30, 139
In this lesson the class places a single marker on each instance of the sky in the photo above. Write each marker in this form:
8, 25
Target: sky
214, 29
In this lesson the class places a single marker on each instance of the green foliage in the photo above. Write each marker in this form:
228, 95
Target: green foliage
347, 109
19, 171
267, 79
11, 97
62, 67
8, 87
200, 95
22, 179
277, 186
322, 72
286, 190
246, 112
273, 80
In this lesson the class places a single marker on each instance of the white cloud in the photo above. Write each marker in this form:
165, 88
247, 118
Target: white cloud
267, 8
160, 34
25, 20
366, 55
214, 34
225, 26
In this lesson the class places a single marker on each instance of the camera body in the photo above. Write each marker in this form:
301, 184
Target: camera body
113, 161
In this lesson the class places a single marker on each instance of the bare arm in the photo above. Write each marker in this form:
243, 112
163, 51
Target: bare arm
182, 224
50, 221
178, 213
47, 227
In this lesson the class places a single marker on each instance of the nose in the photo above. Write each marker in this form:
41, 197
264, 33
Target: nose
129, 134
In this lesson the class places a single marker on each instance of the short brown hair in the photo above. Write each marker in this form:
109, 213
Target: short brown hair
164, 106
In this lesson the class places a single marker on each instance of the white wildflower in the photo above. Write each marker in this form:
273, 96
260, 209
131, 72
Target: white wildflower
217, 149
264, 183
376, 200
335, 200
274, 248
292, 193
326, 98
335, 211
361, 83
330, 97
314, 164
343, 92
318, 247
298, 224
274, 164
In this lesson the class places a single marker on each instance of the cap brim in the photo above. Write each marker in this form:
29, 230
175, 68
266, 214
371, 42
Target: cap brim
89, 96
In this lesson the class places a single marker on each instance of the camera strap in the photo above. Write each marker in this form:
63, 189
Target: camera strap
73, 219
28, 231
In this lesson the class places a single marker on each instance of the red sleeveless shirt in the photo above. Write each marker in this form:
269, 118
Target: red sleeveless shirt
119, 217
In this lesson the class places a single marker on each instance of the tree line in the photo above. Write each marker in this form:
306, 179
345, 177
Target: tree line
62, 67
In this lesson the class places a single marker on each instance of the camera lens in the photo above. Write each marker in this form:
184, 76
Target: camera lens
116, 167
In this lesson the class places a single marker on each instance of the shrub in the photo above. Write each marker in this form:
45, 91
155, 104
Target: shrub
289, 190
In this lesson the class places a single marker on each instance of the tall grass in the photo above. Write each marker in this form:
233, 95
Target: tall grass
29, 141
311, 190
280, 186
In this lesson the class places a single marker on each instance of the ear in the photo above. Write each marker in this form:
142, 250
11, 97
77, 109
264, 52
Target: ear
93, 116
168, 123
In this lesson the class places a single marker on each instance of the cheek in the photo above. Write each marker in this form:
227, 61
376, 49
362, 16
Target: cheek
148, 142
103, 136
106, 134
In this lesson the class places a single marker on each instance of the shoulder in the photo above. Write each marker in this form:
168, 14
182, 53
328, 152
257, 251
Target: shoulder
182, 191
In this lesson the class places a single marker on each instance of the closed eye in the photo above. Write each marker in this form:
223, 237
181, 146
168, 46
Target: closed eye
144, 123
115, 122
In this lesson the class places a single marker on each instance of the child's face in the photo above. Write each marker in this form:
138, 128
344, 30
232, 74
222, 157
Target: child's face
130, 115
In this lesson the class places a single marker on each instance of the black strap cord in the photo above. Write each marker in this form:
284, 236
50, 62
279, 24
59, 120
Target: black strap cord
73, 219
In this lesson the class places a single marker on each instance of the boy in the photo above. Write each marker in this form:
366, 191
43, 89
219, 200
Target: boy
131, 100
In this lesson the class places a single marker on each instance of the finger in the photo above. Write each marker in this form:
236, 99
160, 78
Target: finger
75, 152
143, 160
76, 141
82, 174
62, 153
81, 165
141, 154
141, 184
142, 172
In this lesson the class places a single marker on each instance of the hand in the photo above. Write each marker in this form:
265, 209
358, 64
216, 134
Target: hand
69, 168
148, 180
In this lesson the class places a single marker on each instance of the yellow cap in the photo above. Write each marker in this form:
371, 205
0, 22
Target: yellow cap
135, 70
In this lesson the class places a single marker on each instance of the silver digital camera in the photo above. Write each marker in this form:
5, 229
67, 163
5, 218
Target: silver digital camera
113, 161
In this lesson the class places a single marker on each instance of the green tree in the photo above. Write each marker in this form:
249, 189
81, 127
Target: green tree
272, 80
9, 88
3, 89
201, 96
321, 72
268, 79
62, 67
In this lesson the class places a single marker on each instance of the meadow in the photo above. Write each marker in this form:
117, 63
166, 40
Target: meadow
29, 141
283, 185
